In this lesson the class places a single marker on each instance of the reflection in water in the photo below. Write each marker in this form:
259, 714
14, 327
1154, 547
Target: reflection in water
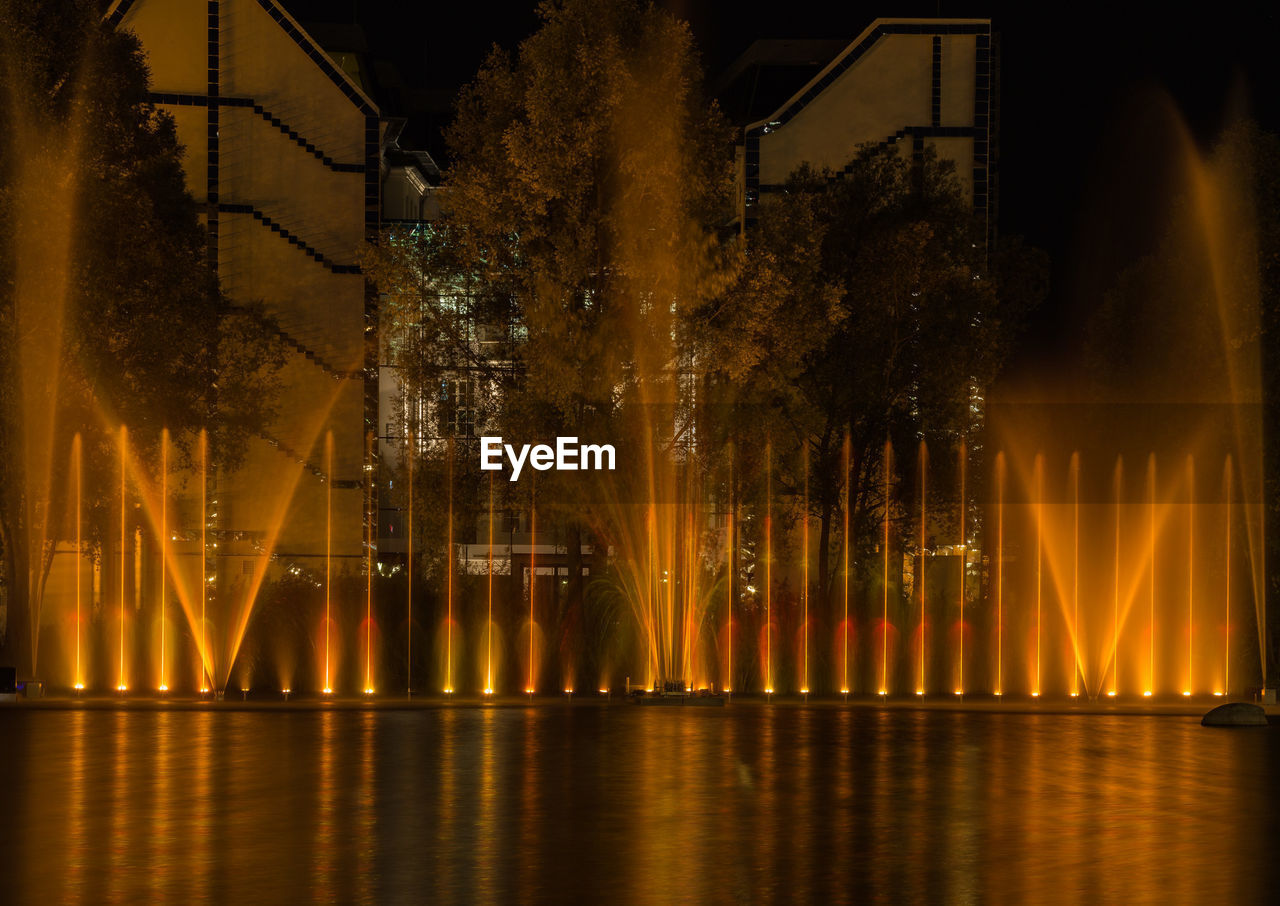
632, 804
325, 831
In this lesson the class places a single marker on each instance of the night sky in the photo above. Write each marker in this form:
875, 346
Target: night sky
1087, 99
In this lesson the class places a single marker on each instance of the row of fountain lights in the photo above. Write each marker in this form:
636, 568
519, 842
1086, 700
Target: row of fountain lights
369, 692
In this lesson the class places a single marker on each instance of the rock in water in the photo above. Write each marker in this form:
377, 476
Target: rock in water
1236, 714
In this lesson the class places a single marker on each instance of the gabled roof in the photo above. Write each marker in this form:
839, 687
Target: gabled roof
119, 8
851, 54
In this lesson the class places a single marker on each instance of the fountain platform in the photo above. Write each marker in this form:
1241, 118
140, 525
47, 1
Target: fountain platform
677, 694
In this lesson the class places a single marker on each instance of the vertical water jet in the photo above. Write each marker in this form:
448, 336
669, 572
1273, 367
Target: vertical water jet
999, 690
124, 442
448, 620
1226, 658
730, 548
804, 577
77, 450
1191, 572
408, 562
1039, 480
488, 638
368, 582
768, 569
204, 560
533, 578
844, 656
164, 545
328, 557
964, 557
1076, 666
884, 630
1117, 486
923, 461
1151, 514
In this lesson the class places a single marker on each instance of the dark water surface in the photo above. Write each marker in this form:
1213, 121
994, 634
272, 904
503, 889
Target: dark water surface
747, 803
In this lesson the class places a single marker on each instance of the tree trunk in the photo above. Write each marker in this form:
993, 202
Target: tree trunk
17, 640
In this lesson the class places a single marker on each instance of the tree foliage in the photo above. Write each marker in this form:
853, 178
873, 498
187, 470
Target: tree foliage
867, 305
579, 221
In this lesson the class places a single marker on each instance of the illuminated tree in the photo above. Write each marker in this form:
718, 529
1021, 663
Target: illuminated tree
867, 305
588, 176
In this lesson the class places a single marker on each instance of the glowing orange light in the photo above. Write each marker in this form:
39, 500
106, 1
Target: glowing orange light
1218, 694
528, 690
844, 691
884, 692
1035, 694
769, 691
368, 690
1111, 694
919, 692
604, 691
1147, 694
448, 690
959, 692
164, 688
286, 691
804, 691
328, 691
79, 687
568, 691
122, 688
1187, 693
488, 691
1075, 694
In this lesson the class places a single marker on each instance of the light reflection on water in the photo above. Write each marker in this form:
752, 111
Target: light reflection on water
632, 804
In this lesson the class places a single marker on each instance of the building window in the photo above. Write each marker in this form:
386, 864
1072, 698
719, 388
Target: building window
457, 407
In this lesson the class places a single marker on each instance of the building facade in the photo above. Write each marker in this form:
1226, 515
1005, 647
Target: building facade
283, 150
908, 83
